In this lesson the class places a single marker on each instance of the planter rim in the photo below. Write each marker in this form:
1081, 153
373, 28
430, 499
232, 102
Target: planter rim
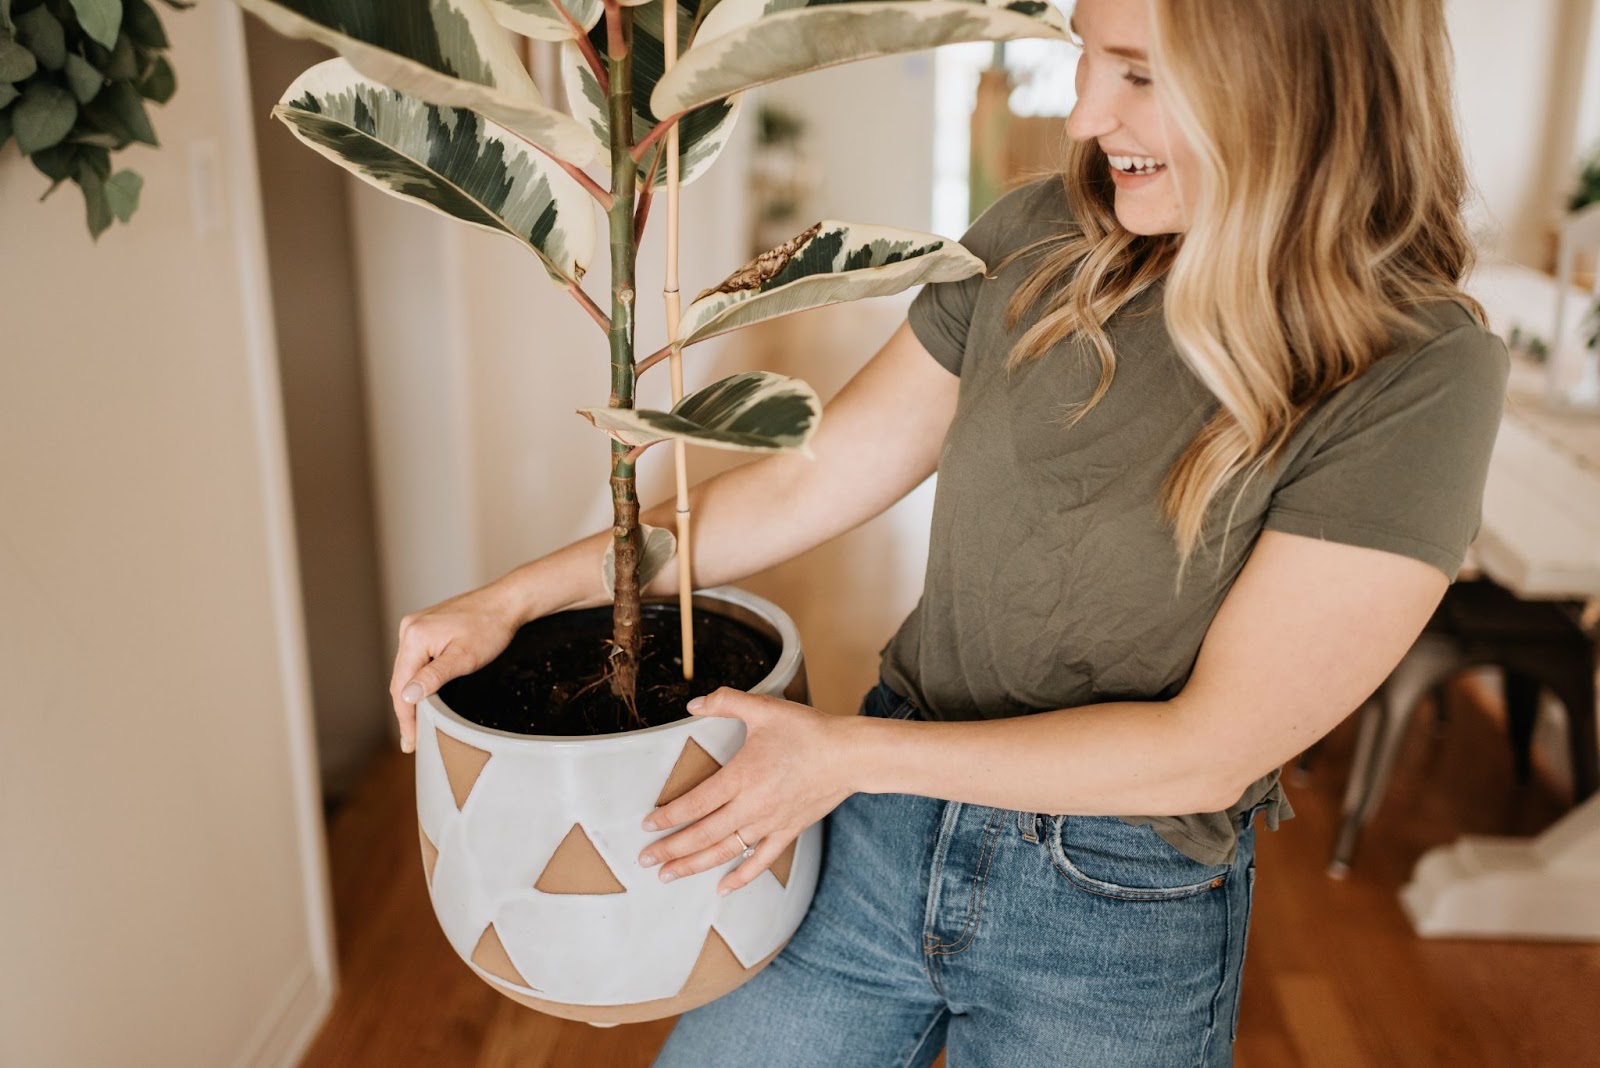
773, 683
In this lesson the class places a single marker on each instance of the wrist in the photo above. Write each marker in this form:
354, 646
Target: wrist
866, 743
531, 591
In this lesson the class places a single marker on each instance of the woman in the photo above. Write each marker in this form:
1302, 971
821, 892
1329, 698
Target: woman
1211, 438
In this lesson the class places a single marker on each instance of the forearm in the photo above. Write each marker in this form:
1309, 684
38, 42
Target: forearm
744, 520
1122, 758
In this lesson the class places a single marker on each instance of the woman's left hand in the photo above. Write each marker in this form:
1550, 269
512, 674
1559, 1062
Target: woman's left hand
792, 770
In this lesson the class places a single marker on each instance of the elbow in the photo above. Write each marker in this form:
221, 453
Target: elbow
1220, 793
1204, 791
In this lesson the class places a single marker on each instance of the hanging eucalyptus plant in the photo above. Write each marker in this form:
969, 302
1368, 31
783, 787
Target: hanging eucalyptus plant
430, 102
74, 78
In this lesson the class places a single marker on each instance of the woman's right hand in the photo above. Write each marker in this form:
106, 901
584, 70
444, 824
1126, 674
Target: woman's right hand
451, 639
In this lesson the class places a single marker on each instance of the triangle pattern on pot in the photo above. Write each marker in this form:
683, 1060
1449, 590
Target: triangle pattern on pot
490, 955
716, 971
783, 864
694, 767
578, 868
430, 854
463, 764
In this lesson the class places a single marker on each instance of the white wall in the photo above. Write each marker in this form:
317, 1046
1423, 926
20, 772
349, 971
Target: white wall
162, 897
1520, 74
870, 130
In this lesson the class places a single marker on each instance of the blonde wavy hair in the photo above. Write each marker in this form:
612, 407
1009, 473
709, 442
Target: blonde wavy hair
1332, 184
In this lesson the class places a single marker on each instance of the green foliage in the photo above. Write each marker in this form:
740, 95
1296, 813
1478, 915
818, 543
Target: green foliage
74, 79
1588, 189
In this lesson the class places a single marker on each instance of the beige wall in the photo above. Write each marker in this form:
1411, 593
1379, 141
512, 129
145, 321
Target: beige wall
870, 128
160, 871
311, 262
1515, 79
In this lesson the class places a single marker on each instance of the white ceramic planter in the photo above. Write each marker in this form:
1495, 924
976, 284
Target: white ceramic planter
529, 845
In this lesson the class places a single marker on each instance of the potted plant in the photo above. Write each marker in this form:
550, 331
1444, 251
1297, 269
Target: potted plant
74, 78
530, 814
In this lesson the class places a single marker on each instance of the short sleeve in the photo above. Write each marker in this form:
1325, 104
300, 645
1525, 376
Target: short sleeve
942, 312
1404, 471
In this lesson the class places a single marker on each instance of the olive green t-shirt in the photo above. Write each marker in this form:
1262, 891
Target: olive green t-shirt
1051, 570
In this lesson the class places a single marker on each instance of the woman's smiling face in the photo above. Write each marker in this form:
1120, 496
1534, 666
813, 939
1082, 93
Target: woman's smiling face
1156, 176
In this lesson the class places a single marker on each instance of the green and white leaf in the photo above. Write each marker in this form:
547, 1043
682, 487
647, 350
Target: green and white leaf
659, 546
448, 159
702, 134
538, 18
745, 43
446, 52
756, 411
829, 263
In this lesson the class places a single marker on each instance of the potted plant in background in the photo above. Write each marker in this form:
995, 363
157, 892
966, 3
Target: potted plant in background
74, 78
533, 774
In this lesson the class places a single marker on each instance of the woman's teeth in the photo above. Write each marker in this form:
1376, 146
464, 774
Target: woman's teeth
1136, 164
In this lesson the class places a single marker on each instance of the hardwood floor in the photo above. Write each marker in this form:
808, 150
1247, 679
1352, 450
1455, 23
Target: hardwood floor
1335, 976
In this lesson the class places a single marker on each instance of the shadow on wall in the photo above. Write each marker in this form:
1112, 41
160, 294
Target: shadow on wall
307, 216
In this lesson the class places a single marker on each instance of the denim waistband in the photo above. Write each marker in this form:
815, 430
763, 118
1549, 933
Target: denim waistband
881, 702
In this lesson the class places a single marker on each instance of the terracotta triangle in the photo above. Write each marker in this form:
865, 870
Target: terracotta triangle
463, 764
430, 855
578, 868
714, 971
490, 955
781, 867
694, 767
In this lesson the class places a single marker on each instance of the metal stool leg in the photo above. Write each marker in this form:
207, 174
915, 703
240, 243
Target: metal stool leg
1430, 662
1522, 715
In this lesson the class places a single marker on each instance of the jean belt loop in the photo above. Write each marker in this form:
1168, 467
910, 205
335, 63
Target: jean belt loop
1028, 824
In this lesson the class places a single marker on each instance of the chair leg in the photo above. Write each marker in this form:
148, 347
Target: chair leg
1432, 661
1576, 690
1441, 710
1303, 763
1522, 715
1358, 787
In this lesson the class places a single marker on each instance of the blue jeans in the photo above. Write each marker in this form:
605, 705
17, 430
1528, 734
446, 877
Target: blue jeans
1012, 939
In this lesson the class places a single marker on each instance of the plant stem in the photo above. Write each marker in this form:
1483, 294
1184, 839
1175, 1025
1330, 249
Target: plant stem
656, 134
585, 46
589, 306
654, 358
626, 632
643, 212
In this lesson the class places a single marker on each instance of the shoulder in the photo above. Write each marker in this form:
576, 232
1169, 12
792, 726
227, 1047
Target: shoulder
1026, 214
1442, 387
1449, 353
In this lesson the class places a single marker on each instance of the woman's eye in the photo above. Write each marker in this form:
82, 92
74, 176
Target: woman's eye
1139, 81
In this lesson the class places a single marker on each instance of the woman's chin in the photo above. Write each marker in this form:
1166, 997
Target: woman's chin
1147, 220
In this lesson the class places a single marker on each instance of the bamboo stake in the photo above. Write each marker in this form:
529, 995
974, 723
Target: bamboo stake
680, 459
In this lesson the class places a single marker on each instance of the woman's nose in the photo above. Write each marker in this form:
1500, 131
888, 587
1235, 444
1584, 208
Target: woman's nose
1088, 120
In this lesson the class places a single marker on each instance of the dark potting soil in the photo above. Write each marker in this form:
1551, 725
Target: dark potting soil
552, 677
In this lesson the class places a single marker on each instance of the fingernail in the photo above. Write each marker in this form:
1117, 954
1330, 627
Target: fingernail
694, 705
412, 693
649, 823
408, 745
647, 859
724, 891
667, 876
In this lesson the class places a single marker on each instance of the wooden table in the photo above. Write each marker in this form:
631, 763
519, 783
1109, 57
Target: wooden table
1540, 539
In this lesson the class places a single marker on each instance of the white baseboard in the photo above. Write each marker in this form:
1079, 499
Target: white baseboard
291, 1022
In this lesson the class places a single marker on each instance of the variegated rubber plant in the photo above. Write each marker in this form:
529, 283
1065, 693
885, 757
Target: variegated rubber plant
431, 103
